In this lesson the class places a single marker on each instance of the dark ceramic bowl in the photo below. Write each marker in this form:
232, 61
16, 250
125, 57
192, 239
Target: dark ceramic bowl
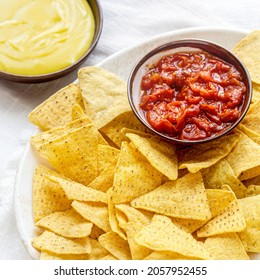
98, 15
186, 45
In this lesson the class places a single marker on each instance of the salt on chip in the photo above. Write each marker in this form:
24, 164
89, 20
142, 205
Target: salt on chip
162, 235
74, 154
56, 110
113, 130
109, 92
226, 246
134, 175
66, 223
245, 158
116, 245
182, 198
230, 220
161, 155
96, 213
51, 242
138, 252
220, 174
247, 50
77, 191
48, 196
206, 154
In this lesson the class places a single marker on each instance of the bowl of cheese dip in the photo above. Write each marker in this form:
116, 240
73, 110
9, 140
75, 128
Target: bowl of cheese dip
42, 40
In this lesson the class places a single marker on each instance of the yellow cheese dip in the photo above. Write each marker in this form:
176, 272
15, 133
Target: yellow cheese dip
43, 36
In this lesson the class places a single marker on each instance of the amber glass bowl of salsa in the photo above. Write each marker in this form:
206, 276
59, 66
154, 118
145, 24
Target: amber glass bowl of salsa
190, 91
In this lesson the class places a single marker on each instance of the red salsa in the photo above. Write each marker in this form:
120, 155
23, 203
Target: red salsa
192, 96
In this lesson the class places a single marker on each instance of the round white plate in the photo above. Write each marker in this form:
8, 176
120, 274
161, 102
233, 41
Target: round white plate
121, 64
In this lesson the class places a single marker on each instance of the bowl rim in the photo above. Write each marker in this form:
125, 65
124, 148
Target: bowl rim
62, 72
193, 43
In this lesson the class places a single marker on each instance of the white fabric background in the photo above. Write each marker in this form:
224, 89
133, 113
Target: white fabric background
126, 23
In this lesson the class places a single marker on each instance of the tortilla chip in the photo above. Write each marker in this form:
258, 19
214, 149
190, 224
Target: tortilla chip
226, 246
250, 133
253, 190
247, 50
188, 225
96, 232
74, 154
104, 94
106, 155
160, 154
109, 257
165, 255
114, 224
230, 220
66, 223
48, 196
113, 130
138, 252
96, 213
256, 93
204, 155
162, 235
97, 250
51, 256
245, 158
77, 191
184, 198
220, 174
51, 242
134, 175
252, 118
116, 245
77, 112
56, 110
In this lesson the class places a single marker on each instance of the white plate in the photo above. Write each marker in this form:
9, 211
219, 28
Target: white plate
121, 64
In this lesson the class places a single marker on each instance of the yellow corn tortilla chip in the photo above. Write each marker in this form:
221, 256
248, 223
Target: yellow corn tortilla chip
252, 119
184, 198
109, 257
51, 256
66, 223
247, 50
220, 174
253, 190
204, 155
162, 235
51, 242
250, 238
106, 155
230, 220
250, 133
47, 136
256, 93
165, 255
105, 179
219, 200
48, 196
97, 250
77, 112
226, 246
96, 213
188, 225
114, 223
116, 245
75, 154
113, 130
245, 158
134, 175
77, 191
56, 110
161, 155
104, 94
138, 252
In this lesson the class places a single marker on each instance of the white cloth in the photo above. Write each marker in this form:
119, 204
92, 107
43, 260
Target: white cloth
126, 23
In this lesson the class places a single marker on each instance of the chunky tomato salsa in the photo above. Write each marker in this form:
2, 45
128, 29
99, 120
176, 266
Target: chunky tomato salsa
192, 96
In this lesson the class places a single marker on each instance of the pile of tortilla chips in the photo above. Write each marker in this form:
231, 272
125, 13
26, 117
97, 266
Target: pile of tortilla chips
117, 192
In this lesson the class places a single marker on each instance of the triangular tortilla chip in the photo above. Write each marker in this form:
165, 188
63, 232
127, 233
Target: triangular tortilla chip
184, 198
